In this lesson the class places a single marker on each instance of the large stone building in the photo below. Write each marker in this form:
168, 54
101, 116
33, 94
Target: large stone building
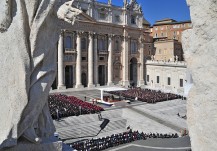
109, 45
169, 29
167, 40
166, 76
104, 47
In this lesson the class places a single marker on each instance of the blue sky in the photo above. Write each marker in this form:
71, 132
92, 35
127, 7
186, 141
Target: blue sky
159, 9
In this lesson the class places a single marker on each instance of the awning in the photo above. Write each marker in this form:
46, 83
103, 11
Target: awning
112, 89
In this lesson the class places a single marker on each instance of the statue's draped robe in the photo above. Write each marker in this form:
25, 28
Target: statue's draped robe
28, 64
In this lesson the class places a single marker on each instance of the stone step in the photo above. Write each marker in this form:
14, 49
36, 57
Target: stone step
90, 129
77, 120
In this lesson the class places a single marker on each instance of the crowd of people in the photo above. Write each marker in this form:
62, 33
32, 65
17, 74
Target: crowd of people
117, 139
64, 106
146, 95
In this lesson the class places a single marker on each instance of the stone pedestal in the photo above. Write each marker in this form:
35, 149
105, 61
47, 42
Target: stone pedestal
125, 83
61, 87
79, 86
141, 83
91, 85
110, 84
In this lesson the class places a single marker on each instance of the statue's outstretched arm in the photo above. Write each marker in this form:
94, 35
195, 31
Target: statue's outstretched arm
5, 14
68, 13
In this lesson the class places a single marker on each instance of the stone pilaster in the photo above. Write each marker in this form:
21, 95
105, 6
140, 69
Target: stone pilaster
90, 61
110, 60
78, 61
61, 83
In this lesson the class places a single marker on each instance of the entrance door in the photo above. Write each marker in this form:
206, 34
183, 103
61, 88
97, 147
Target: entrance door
84, 79
102, 75
133, 71
69, 76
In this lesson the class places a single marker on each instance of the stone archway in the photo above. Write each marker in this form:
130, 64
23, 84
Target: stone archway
133, 71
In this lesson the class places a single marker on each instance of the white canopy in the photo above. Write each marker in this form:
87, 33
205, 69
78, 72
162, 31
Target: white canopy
109, 89
112, 89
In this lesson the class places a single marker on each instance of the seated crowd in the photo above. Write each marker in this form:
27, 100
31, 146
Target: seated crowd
116, 139
145, 95
64, 106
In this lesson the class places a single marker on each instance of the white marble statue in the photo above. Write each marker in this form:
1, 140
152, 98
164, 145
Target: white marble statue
200, 52
29, 31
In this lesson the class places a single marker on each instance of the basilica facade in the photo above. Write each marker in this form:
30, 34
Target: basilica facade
105, 47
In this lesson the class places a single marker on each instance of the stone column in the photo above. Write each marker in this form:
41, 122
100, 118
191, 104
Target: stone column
95, 61
90, 61
78, 61
61, 83
110, 60
141, 60
125, 81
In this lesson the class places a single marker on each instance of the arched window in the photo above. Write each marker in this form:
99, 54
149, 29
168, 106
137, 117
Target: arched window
133, 47
83, 44
68, 42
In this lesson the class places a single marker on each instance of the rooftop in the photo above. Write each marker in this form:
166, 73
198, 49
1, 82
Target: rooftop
168, 21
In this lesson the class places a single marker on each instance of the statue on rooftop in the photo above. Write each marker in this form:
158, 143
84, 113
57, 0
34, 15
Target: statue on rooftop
29, 32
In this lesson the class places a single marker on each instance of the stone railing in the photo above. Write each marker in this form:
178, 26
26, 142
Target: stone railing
165, 63
70, 50
102, 52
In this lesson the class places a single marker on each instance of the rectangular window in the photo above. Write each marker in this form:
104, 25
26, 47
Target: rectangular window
156, 35
147, 78
101, 58
168, 81
102, 44
162, 34
83, 43
158, 79
133, 47
133, 19
117, 19
181, 82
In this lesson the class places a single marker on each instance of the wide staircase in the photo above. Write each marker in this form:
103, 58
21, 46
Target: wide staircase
86, 126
